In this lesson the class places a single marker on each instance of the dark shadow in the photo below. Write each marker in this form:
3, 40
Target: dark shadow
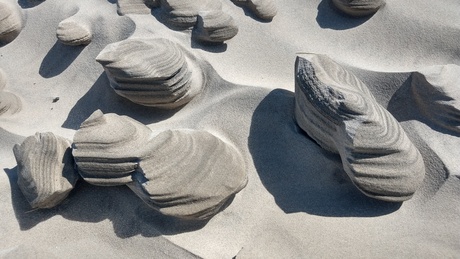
315, 184
101, 96
209, 47
329, 17
112, 1
162, 17
129, 215
29, 3
58, 59
403, 107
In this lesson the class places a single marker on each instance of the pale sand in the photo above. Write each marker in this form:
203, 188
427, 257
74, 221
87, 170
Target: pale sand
298, 201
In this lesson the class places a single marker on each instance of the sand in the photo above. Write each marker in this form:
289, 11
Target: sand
298, 202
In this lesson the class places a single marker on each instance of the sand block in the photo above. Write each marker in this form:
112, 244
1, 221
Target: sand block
183, 173
263, 9
214, 27
338, 111
11, 21
152, 72
358, 8
46, 172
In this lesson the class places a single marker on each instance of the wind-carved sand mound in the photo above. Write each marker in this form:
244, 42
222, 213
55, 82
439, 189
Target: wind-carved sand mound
11, 21
436, 91
136, 6
263, 9
188, 174
182, 173
75, 30
337, 110
214, 27
152, 72
9, 102
358, 8
46, 172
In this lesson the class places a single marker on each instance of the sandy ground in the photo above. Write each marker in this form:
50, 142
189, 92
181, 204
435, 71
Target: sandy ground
298, 202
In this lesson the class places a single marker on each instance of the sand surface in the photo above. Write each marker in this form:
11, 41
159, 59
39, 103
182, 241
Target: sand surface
298, 203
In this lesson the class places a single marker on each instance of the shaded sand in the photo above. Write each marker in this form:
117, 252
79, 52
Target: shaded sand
298, 201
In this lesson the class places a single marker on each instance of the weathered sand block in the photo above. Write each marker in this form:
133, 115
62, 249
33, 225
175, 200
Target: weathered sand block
135, 6
46, 172
107, 148
183, 14
75, 30
214, 27
263, 9
358, 8
182, 173
152, 72
189, 174
436, 91
337, 110
11, 21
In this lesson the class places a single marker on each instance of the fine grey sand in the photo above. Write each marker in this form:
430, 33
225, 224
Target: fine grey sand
299, 201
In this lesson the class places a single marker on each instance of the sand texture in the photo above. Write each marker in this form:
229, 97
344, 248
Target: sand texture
229, 129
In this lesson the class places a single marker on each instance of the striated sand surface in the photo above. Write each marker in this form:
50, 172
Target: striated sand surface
298, 201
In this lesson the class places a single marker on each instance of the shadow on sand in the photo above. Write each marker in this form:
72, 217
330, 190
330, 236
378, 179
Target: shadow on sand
129, 215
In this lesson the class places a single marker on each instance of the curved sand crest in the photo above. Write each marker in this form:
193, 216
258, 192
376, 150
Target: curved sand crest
337, 110
11, 21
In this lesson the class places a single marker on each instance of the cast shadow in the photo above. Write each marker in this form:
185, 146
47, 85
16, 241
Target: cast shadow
58, 59
301, 176
129, 215
102, 97
403, 107
29, 3
329, 17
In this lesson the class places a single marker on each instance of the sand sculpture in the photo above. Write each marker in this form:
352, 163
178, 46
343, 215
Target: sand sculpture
358, 8
11, 22
436, 92
9, 102
209, 24
263, 9
337, 110
165, 78
188, 174
46, 172
75, 30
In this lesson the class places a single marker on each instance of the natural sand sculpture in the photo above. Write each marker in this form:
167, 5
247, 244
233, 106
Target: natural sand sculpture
133, 7
263, 9
214, 27
46, 172
9, 102
359, 7
337, 110
75, 30
436, 91
152, 72
11, 21
188, 174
